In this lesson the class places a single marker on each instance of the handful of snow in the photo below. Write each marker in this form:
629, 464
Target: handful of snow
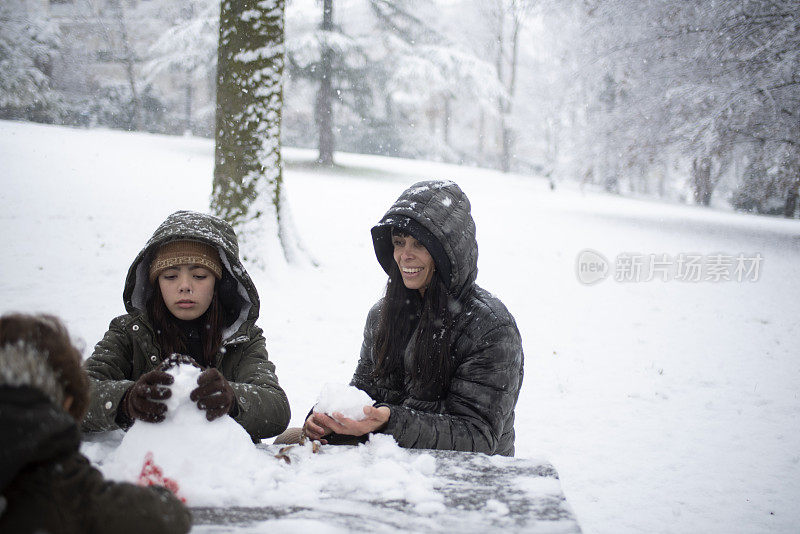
346, 400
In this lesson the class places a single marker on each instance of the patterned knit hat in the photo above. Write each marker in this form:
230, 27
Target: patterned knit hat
177, 253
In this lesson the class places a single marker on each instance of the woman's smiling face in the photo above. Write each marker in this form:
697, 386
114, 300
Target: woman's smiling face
415, 262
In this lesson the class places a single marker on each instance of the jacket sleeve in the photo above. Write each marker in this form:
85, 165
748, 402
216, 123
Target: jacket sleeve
119, 506
483, 392
110, 370
263, 408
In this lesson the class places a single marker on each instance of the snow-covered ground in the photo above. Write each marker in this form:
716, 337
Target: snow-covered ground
666, 406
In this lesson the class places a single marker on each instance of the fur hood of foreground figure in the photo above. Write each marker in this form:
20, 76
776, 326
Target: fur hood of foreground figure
47, 485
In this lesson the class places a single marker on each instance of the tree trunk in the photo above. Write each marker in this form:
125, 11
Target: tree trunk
505, 104
448, 110
701, 180
323, 109
791, 200
187, 109
508, 133
501, 101
248, 175
127, 58
481, 135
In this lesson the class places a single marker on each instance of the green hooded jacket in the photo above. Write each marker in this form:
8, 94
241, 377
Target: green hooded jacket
128, 350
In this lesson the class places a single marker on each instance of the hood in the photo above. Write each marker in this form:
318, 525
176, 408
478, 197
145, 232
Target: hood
33, 427
443, 210
240, 296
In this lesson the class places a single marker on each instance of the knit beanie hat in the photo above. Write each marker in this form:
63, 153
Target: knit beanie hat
184, 252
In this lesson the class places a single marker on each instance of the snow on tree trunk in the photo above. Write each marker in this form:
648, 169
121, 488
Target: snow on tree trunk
248, 170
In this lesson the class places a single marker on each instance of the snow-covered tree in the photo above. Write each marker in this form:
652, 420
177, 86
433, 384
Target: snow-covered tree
248, 171
28, 46
668, 80
336, 66
506, 18
323, 108
431, 76
189, 46
112, 22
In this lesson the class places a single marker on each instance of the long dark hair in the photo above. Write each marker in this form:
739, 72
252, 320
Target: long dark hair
171, 338
403, 308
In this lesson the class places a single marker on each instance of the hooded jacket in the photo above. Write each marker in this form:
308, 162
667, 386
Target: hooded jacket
476, 412
129, 349
47, 485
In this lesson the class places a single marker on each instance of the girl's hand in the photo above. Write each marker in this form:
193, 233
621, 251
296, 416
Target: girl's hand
376, 419
213, 394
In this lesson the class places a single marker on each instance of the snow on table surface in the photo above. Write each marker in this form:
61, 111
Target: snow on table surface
377, 486
373, 487
665, 406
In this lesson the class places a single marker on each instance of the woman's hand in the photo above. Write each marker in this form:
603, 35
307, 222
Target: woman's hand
376, 419
314, 429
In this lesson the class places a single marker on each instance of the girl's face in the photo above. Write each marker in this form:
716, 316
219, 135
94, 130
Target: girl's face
187, 290
415, 263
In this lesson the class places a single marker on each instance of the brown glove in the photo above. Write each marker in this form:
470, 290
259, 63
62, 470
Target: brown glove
140, 400
213, 394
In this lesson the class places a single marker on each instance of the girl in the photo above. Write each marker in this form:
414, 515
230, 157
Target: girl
441, 357
187, 292
47, 485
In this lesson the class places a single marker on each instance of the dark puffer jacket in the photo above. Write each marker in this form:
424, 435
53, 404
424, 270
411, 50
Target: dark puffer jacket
128, 349
476, 413
47, 485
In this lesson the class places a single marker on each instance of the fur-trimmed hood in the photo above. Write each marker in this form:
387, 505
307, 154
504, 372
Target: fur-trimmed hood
21, 365
33, 427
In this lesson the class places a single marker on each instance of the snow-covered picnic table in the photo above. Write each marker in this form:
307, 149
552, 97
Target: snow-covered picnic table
233, 485
479, 494
374, 487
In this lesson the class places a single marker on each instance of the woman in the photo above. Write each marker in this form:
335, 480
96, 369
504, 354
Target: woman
187, 292
47, 485
441, 357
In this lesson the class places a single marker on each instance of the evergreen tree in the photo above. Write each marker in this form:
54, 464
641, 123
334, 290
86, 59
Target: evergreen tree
336, 65
28, 46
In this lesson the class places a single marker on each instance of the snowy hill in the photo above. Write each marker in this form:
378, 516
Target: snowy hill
666, 406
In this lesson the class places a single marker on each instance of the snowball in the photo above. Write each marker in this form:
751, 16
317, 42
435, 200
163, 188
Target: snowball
346, 400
